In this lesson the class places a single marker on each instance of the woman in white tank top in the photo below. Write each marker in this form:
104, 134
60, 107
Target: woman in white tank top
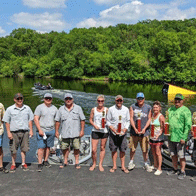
99, 131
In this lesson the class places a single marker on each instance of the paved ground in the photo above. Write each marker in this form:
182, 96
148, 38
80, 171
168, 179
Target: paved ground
69, 181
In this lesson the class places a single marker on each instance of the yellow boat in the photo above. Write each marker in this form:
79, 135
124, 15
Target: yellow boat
171, 90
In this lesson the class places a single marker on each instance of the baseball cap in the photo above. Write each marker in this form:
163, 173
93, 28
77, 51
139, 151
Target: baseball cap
140, 94
68, 95
119, 97
17, 95
179, 96
48, 95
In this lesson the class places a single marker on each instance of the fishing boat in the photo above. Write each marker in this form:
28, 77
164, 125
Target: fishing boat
39, 86
171, 90
56, 155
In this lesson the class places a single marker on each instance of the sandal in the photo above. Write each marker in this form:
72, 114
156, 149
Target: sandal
125, 170
112, 170
63, 165
77, 166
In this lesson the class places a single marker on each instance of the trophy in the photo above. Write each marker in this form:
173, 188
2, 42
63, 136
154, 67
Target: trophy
119, 124
166, 126
194, 125
152, 128
103, 120
139, 121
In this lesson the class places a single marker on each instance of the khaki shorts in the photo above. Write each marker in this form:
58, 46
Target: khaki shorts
20, 138
67, 142
144, 143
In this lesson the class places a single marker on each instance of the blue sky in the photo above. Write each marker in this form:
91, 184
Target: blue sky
64, 15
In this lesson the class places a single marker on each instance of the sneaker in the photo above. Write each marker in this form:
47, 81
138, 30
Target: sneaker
131, 166
193, 178
181, 176
148, 168
12, 168
25, 167
158, 172
172, 172
47, 164
39, 167
4, 170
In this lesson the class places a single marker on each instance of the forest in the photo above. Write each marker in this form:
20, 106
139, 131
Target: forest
149, 51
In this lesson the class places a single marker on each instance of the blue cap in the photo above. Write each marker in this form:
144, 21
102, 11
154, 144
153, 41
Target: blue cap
140, 94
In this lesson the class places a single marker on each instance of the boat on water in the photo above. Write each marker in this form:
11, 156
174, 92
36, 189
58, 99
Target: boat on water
39, 86
56, 155
171, 90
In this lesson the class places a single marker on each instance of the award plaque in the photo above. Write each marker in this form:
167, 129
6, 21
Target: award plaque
166, 126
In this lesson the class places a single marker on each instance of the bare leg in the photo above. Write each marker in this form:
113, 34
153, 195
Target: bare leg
13, 159
23, 155
65, 155
102, 153
122, 158
175, 161
153, 148
183, 164
40, 154
46, 154
132, 154
94, 153
159, 157
145, 156
1, 157
114, 158
76, 154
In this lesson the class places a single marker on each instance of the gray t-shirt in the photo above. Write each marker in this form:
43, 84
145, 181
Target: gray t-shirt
70, 121
18, 118
144, 110
47, 116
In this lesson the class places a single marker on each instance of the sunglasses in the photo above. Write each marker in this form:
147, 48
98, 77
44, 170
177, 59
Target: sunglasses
119, 100
140, 98
19, 98
100, 101
68, 98
178, 99
49, 98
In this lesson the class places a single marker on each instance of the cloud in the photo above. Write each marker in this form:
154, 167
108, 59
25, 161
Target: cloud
134, 11
45, 3
40, 22
110, 2
2, 31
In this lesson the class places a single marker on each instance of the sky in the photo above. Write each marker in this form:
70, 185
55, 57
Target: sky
64, 15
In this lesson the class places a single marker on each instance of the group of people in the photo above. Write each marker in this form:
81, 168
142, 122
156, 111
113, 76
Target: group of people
112, 123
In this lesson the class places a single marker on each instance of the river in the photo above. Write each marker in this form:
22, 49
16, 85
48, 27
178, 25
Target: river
84, 93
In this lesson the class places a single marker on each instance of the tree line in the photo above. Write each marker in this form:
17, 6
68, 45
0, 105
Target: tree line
150, 50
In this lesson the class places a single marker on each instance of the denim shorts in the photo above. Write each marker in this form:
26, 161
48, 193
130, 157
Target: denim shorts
1, 140
49, 142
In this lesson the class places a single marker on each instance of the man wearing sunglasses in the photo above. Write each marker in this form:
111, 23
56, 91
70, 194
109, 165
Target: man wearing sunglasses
140, 111
18, 121
72, 120
118, 114
180, 122
44, 116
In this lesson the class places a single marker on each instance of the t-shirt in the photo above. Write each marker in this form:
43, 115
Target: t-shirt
2, 111
180, 122
144, 112
47, 116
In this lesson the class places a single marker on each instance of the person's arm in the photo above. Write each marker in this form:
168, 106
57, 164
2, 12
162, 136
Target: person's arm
3, 112
91, 119
132, 121
9, 134
82, 123
109, 124
187, 126
31, 128
36, 120
162, 122
57, 125
127, 124
147, 123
